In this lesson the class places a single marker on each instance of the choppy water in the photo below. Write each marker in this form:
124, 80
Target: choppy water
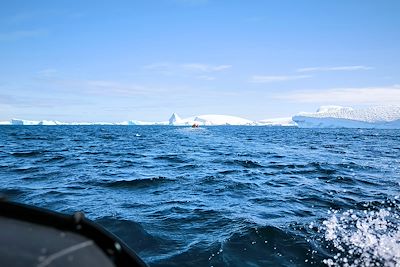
219, 196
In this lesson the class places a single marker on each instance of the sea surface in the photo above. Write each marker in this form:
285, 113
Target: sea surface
219, 196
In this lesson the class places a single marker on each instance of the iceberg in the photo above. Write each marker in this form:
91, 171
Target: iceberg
382, 117
136, 122
287, 121
222, 120
209, 120
45, 122
28, 122
176, 120
379, 117
23, 122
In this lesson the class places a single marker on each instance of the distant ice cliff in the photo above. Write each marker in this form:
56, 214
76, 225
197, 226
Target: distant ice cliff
382, 117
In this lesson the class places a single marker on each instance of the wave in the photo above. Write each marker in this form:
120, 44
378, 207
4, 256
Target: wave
30, 169
171, 158
227, 172
134, 235
265, 246
11, 193
56, 158
27, 154
248, 164
142, 182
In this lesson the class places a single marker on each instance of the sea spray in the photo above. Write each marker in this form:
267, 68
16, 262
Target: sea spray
364, 238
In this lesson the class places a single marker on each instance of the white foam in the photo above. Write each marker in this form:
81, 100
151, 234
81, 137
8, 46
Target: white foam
368, 238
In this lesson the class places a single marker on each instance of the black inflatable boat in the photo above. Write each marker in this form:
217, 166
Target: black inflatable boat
31, 236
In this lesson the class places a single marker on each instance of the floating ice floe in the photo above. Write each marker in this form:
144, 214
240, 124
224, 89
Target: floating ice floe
380, 117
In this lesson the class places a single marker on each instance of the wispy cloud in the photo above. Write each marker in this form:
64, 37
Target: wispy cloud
35, 101
280, 78
17, 35
47, 73
337, 68
361, 95
20, 17
206, 78
205, 67
104, 87
199, 71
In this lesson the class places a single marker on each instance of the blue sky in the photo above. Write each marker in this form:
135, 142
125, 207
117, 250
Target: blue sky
144, 59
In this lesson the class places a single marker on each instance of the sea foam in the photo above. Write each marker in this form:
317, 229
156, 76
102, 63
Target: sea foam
364, 238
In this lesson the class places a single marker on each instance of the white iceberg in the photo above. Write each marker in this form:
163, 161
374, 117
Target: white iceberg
287, 121
176, 120
45, 122
23, 122
28, 122
209, 120
381, 117
136, 122
222, 120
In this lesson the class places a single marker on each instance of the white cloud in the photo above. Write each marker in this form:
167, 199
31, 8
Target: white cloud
112, 88
99, 87
204, 67
194, 70
282, 78
206, 78
337, 68
388, 95
157, 66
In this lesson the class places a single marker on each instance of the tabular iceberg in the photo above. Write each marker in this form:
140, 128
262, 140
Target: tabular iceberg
23, 122
381, 117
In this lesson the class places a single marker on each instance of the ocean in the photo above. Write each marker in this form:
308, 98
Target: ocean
218, 196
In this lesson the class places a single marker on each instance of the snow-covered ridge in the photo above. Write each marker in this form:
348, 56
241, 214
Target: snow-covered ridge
385, 117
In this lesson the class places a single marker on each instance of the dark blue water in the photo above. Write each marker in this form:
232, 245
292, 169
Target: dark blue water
216, 196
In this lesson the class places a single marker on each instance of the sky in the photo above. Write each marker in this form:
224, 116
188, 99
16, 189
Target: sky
145, 59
